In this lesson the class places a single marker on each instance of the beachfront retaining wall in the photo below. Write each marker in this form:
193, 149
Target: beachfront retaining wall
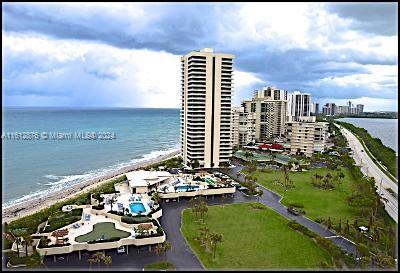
100, 246
197, 193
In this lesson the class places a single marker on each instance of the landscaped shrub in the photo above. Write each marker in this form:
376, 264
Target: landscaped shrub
319, 220
55, 245
257, 206
99, 207
135, 219
296, 226
58, 221
157, 234
297, 205
119, 213
112, 239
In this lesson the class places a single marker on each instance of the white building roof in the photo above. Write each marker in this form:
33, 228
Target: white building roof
143, 178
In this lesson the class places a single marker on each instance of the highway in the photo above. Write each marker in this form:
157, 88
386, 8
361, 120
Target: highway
369, 168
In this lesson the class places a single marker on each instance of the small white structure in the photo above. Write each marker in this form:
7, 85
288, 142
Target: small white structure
144, 181
363, 229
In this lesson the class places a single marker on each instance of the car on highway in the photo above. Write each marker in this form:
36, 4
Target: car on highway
293, 211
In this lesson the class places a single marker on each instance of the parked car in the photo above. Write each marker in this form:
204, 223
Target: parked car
362, 150
293, 211
121, 250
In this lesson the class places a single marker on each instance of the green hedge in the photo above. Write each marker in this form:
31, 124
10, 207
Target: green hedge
60, 220
135, 219
296, 226
159, 266
386, 155
99, 207
175, 162
112, 239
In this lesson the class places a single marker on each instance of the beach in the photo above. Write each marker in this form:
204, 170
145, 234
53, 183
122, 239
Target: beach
29, 207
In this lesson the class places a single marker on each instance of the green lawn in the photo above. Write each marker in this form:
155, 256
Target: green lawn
317, 202
252, 239
159, 266
99, 229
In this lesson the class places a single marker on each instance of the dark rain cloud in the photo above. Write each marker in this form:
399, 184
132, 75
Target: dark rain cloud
180, 28
377, 18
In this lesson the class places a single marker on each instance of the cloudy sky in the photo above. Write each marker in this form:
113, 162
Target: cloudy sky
127, 54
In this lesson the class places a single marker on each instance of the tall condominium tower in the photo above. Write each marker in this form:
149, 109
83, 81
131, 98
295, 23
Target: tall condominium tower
298, 106
206, 108
329, 109
360, 108
316, 108
268, 106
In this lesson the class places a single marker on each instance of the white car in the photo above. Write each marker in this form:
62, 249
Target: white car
121, 250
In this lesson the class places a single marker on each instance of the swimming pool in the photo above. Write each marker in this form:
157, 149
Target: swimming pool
137, 207
186, 188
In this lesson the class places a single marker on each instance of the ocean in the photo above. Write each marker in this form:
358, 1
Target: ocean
384, 129
82, 143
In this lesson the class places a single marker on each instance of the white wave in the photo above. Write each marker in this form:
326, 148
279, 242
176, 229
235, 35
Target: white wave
67, 181
51, 176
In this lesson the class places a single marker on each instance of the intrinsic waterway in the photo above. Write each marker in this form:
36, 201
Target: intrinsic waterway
36, 167
384, 129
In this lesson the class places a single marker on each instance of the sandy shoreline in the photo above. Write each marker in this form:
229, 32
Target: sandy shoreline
29, 207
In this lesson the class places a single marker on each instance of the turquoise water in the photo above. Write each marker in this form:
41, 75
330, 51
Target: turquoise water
137, 207
33, 168
384, 129
186, 188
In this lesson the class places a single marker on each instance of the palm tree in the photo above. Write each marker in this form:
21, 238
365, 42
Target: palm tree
286, 176
162, 248
12, 237
329, 223
28, 242
215, 238
204, 236
347, 228
260, 193
167, 246
222, 199
156, 197
158, 250
113, 199
97, 257
247, 155
203, 209
107, 260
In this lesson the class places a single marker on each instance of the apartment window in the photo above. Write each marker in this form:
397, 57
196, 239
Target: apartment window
253, 107
276, 95
264, 118
263, 107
